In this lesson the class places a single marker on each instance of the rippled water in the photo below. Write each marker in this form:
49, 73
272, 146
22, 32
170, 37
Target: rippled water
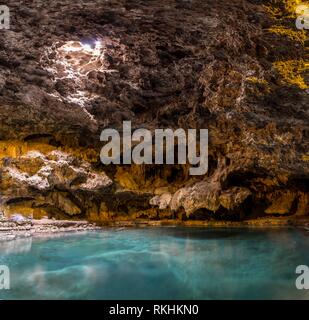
158, 263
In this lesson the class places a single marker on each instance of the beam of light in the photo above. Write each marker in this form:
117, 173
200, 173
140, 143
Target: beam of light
73, 61
87, 47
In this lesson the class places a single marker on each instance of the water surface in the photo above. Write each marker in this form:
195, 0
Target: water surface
158, 263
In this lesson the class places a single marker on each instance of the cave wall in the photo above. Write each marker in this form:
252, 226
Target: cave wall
238, 69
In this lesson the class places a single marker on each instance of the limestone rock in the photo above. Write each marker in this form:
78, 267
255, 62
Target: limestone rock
161, 201
50, 180
282, 204
233, 197
303, 204
208, 196
162, 64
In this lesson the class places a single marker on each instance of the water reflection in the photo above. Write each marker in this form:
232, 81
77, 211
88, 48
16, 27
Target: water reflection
19, 245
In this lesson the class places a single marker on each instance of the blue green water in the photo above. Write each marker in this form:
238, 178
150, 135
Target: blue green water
158, 263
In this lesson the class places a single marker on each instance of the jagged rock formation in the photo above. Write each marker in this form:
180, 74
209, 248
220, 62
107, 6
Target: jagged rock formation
70, 69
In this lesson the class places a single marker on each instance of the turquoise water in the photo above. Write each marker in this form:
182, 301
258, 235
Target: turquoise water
158, 263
